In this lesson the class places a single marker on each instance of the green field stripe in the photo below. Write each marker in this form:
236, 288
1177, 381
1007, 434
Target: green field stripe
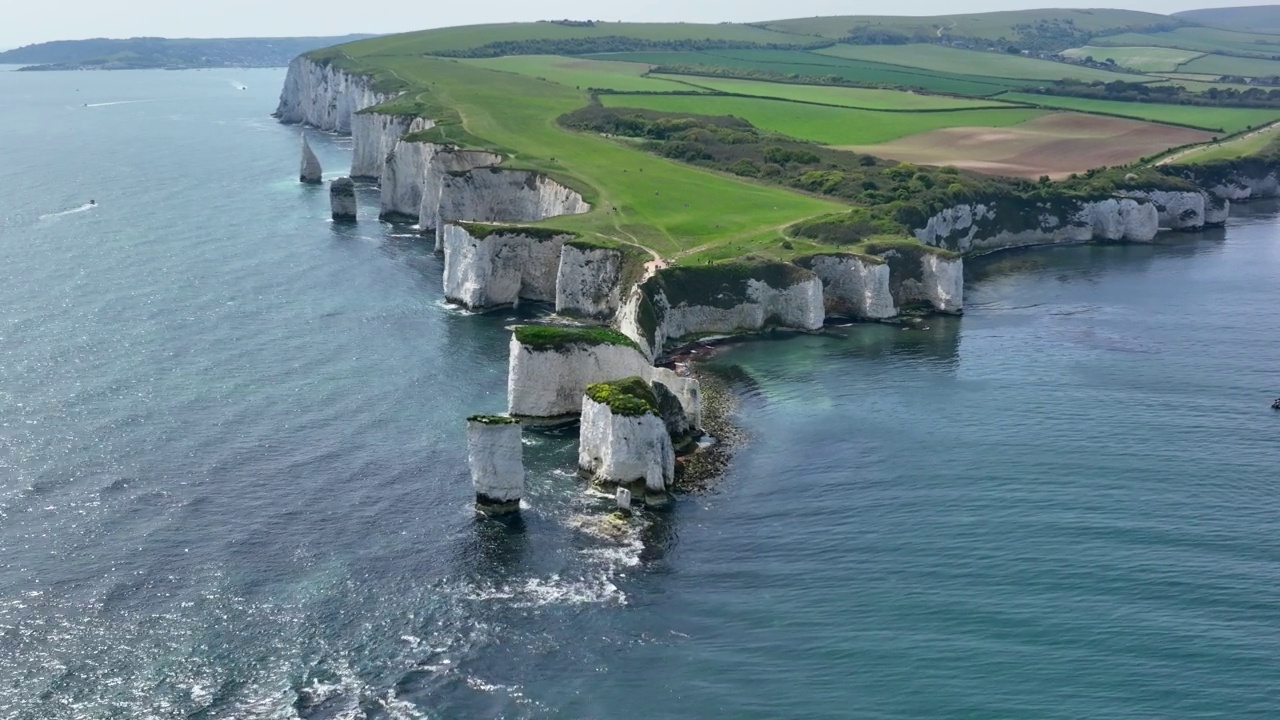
711, 92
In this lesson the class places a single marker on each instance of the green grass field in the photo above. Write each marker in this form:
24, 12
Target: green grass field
581, 73
826, 125
813, 65
511, 105
1144, 59
865, 98
1223, 65
636, 197
940, 58
1227, 120
1239, 147
1199, 39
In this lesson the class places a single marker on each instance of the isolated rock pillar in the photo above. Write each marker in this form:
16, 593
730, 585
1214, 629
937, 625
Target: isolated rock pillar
342, 199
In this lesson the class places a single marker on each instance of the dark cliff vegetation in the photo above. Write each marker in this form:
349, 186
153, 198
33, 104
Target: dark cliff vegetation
547, 337
888, 198
1254, 97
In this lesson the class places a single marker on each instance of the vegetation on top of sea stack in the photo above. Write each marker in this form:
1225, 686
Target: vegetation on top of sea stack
494, 420
554, 337
630, 396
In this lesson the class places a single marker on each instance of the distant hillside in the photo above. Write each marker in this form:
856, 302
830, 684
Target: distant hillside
150, 52
1047, 29
1258, 18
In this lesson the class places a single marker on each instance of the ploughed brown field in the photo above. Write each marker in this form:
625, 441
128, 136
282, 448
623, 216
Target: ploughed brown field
1055, 145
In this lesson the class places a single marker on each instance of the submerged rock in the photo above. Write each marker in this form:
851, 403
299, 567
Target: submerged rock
496, 458
310, 171
342, 199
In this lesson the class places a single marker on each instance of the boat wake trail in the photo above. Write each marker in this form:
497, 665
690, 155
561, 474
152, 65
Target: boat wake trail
83, 208
117, 102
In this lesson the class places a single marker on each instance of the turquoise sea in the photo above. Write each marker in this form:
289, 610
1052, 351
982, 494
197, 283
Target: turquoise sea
233, 484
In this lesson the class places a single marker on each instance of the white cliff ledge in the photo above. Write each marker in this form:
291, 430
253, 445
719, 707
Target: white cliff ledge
489, 266
325, 97
981, 227
549, 368
728, 298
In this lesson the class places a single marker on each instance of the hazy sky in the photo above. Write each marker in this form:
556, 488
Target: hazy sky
31, 21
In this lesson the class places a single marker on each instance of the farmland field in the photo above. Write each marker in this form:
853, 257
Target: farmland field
1239, 147
816, 66
972, 62
1145, 59
826, 125
1223, 65
866, 98
581, 73
1218, 119
1199, 39
1055, 145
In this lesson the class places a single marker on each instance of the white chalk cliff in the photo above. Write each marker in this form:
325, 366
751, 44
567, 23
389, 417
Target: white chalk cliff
374, 135
495, 456
940, 284
853, 286
588, 281
500, 268
444, 162
324, 97
1176, 209
620, 449
549, 382
505, 196
979, 227
796, 305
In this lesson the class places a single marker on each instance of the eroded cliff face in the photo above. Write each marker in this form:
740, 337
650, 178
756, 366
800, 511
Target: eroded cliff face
621, 449
705, 304
853, 286
374, 135
588, 282
979, 227
324, 97
505, 196
549, 382
939, 285
444, 162
1177, 209
500, 268
403, 180
495, 456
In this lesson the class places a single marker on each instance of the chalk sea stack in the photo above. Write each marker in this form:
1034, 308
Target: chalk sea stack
342, 199
496, 458
623, 441
310, 171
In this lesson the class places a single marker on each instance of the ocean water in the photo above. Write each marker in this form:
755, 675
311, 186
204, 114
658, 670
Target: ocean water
232, 478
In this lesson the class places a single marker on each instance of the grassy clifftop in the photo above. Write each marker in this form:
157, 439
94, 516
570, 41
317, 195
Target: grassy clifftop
705, 143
